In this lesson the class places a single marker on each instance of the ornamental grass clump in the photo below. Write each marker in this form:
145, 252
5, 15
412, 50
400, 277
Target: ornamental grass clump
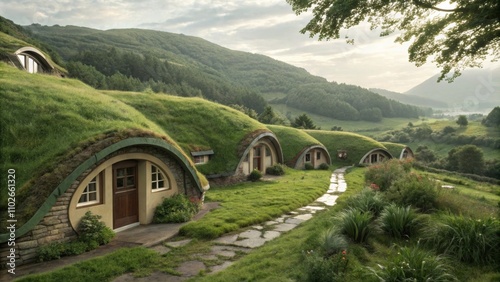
319, 268
355, 224
475, 241
414, 264
368, 200
332, 242
400, 221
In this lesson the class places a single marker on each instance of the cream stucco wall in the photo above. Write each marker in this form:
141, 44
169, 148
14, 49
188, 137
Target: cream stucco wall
148, 199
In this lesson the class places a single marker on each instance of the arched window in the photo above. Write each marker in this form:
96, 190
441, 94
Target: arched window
92, 193
159, 181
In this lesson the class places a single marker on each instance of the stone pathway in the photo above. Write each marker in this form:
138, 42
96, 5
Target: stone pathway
227, 247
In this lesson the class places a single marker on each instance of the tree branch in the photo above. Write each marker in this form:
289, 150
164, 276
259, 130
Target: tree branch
429, 6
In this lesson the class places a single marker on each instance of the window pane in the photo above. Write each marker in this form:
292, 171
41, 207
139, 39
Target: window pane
153, 177
130, 170
92, 197
119, 182
120, 172
130, 181
154, 185
160, 184
83, 198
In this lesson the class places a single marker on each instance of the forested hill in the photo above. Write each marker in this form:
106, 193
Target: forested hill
135, 59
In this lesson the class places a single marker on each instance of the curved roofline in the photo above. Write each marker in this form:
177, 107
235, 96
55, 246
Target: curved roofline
68, 181
307, 149
373, 150
36, 53
273, 139
402, 151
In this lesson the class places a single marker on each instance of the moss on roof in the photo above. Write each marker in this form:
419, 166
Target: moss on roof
356, 145
394, 148
293, 142
47, 121
198, 124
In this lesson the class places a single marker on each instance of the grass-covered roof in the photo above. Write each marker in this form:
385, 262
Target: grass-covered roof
198, 125
293, 142
356, 145
394, 148
49, 125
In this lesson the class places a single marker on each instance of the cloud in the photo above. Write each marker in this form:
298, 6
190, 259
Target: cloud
268, 27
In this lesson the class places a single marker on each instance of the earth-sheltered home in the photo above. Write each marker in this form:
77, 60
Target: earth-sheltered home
75, 149
351, 148
399, 151
231, 143
300, 148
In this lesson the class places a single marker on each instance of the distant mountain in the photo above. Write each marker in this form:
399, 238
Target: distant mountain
474, 90
410, 99
136, 59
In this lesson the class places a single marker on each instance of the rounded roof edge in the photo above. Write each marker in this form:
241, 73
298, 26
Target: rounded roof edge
67, 182
387, 153
35, 52
307, 149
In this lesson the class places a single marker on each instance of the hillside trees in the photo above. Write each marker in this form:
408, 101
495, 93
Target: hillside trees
493, 118
462, 120
455, 38
304, 122
466, 159
128, 71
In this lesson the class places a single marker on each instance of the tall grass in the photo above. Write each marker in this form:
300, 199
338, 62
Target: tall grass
367, 200
400, 221
475, 241
355, 224
414, 264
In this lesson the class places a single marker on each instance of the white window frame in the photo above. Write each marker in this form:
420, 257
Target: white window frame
96, 181
157, 176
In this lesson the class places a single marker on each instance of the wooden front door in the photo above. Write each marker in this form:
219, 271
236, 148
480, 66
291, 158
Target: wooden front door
257, 159
125, 196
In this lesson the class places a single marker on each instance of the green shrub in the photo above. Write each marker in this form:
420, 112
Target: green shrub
415, 190
414, 264
50, 252
276, 169
175, 209
324, 166
93, 231
75, 248
319, 268
385, 173
469, 240
308, 166
255, 175
354, 224
367, 200
400, 221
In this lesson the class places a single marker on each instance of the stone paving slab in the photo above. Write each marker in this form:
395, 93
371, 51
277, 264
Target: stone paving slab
269, 235
161, 249
327, 199
221, 267
177, 244
250, 243
283, 227
250, 234
227, 240
294, 220
304, 217
191, 268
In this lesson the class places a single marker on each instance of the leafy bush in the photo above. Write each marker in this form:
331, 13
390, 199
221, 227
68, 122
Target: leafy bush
94, 232
469, 240
175, 209
354, 224
415, 190
414, 264
399, 221
308, 166
276, 169
254, 175
324, 166
319, 268
50, 252
367, 201
385, 173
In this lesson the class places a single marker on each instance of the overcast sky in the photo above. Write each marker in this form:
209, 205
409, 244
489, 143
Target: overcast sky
268, 27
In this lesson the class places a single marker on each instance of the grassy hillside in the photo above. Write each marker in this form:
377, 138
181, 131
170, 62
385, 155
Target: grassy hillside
190, 66
197, 125
410, 99
474, 90
50, 125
